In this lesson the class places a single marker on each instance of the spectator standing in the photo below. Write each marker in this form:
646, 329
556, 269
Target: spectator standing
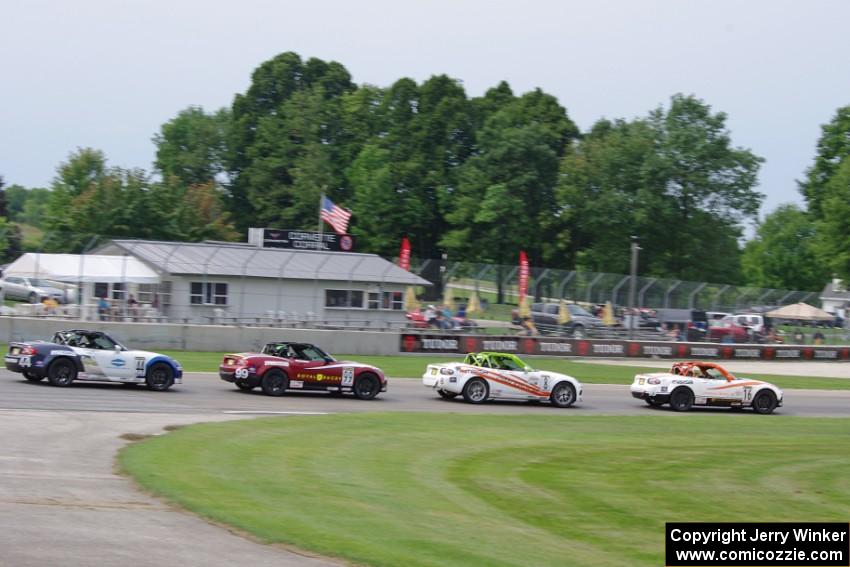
103, 308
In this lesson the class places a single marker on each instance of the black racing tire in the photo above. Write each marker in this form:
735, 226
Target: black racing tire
765, 402
274, 383
579, 332
160, 377
447, 395
563, 395
61, 372
244, 386
653, 403
366, 387
476, 391
33, 377
681, 399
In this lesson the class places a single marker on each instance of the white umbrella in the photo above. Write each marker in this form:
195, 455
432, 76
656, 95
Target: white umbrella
800, 312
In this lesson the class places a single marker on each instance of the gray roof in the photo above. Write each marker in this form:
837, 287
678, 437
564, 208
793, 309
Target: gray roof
220, 259
829, 292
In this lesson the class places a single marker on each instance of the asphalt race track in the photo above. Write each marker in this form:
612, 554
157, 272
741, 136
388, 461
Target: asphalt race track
205, 393
62, 502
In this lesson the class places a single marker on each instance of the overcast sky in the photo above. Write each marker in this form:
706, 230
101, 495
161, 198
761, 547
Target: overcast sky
107, 73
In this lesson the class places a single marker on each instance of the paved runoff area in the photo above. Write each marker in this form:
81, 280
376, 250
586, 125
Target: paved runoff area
62, 501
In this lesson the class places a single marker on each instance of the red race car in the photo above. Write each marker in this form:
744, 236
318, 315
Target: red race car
300, 366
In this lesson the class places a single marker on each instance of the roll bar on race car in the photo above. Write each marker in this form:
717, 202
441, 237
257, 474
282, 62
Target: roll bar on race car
687, 368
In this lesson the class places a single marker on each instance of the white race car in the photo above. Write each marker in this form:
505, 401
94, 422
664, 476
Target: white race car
494, 375
91, 355
691, 384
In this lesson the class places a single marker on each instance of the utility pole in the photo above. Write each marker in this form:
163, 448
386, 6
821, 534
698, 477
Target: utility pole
632, 283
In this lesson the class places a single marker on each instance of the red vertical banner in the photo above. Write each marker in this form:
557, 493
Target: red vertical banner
523, 275
404, 254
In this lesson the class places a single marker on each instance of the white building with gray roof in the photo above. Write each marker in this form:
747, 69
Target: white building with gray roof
213, 282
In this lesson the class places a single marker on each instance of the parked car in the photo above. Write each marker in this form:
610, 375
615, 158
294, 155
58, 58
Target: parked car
496, 375
545, 318
705, 384
79, 354
752, 321
727, 331
283, 366
33, 290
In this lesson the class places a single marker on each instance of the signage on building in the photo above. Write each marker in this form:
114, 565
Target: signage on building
301, 239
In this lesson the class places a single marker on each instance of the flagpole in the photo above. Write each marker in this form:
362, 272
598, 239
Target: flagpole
319, 245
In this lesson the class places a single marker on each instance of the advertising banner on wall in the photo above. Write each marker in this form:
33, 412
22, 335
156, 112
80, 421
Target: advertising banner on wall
554, 346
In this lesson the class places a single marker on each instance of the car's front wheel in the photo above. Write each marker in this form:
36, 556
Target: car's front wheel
563, 395
160, 377
33, 377
476, 391
274, 383
682, 399
764, 402
61, 372
446, 394
366, 387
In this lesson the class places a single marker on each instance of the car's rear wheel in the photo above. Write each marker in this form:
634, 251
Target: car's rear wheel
764, 402
160, 377
446, 394
476, 391
682, 399
33, 377
366, 387
274, 383
563, 395
61, 372
653, 402
244, 385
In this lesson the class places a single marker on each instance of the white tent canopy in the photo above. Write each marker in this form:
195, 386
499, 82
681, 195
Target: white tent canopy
801, 312
74, 268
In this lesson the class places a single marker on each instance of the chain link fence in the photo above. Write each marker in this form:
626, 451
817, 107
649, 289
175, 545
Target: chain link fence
499, 284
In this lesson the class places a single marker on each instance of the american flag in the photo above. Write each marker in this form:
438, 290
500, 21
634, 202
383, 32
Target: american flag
335, 215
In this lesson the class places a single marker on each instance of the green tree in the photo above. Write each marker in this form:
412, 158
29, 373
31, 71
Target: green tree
191, 147
290, 107
833, 242
708, 184
518, 151
833, 148
783, 253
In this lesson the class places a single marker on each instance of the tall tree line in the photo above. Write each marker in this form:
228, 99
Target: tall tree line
478, 178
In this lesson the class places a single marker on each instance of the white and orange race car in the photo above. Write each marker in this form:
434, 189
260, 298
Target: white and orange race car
691, 384
495, 375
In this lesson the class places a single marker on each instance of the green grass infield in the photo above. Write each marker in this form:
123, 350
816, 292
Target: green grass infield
458, 490
411, 366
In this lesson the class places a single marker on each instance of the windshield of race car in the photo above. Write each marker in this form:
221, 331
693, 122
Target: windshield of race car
79, 339
297, 351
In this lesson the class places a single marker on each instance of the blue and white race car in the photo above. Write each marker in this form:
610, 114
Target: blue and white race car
92, 356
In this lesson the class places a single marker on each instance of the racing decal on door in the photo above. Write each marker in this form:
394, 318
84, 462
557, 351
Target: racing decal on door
348, 376
140, 367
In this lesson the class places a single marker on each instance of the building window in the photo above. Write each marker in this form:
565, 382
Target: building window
208, 293
119, 291
344, 298
157, 294
101, 289
393, 300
